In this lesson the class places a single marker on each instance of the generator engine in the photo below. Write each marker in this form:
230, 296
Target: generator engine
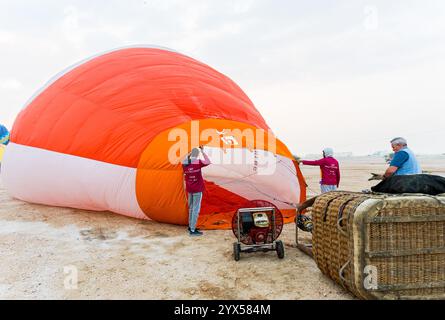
256, 226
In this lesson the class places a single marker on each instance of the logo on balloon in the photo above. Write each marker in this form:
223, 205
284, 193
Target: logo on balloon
228, 140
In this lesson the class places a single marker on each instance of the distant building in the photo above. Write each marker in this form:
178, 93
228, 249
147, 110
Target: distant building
388, 157
313, 156
344, 154
379, 153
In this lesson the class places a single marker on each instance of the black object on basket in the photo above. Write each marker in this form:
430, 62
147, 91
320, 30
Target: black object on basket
415, 183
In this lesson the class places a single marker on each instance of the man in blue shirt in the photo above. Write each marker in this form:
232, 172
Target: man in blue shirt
4, 135
404, 161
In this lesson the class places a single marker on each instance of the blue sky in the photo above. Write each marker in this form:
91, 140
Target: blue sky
346, 74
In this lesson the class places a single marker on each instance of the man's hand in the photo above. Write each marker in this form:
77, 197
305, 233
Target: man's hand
376, 176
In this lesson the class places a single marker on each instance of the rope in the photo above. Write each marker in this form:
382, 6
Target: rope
253, 186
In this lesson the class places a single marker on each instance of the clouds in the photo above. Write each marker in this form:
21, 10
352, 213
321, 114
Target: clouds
6, 37
10, 84
320, 72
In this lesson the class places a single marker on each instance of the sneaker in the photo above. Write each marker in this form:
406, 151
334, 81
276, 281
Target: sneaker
195, 233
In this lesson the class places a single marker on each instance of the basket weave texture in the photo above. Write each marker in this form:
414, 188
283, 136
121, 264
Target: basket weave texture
381, 246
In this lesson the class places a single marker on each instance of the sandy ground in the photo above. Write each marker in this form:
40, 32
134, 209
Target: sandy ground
44, 248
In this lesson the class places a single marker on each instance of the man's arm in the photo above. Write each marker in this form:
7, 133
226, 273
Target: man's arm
313, 163
399, 159
390, 171
206, 160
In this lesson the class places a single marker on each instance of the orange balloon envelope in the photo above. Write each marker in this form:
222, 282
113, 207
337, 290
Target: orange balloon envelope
111, 132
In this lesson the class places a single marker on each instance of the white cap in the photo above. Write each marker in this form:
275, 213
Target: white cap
328, 152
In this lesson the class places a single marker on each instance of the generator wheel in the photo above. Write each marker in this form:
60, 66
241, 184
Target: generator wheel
236, 250
280, 249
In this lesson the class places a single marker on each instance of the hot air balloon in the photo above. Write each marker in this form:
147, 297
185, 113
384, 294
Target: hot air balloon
109, 134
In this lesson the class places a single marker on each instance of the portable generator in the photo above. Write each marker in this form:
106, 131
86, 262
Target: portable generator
257, 228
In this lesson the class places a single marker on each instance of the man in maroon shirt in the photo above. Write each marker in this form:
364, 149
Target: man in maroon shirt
194, 185
330, 170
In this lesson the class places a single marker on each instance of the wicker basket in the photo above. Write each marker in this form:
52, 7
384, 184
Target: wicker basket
380, 246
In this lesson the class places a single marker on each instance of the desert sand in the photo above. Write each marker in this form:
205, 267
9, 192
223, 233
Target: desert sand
42, 248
